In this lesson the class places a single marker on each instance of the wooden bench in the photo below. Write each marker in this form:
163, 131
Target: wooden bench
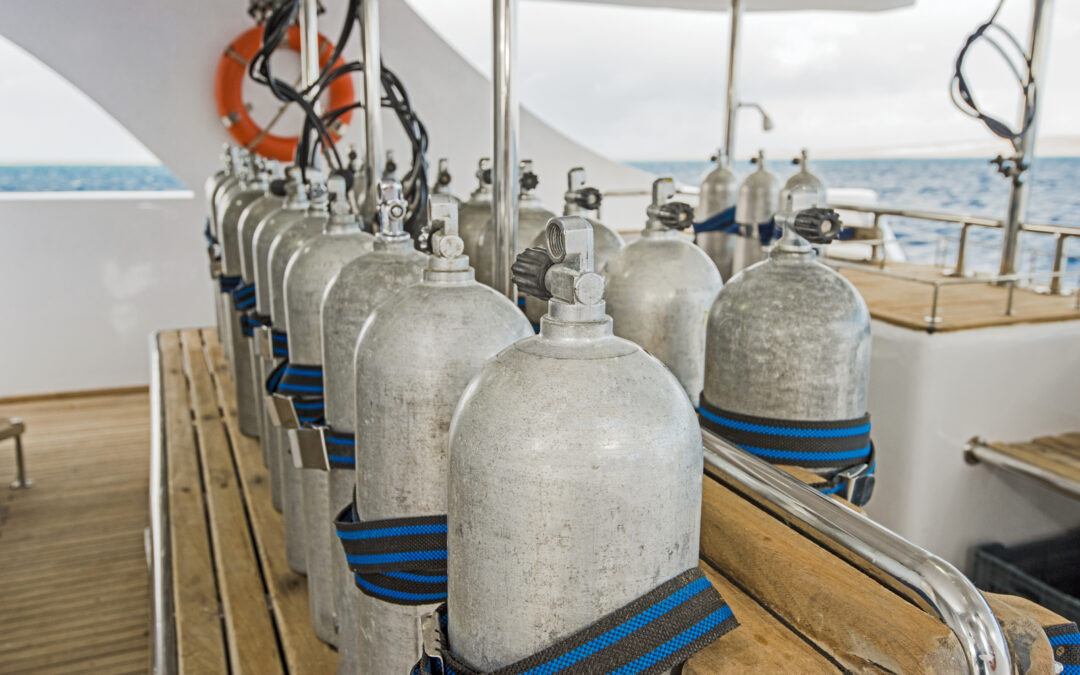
13, 428
801, 607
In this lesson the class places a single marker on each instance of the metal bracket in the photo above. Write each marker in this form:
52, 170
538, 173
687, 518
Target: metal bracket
433, 644
308, 449
858, 483
281, 411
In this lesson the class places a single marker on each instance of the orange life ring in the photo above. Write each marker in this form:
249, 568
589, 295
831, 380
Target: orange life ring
229, 93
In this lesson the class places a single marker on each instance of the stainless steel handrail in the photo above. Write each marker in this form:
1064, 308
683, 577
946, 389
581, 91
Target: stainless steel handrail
977, 450
163, 630
941, 586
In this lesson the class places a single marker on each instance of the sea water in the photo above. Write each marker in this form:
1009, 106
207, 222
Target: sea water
967, 186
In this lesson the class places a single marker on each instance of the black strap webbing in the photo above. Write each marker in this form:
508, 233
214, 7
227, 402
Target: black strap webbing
649, 636
303, 386
1065, 641
400, 560
340, 448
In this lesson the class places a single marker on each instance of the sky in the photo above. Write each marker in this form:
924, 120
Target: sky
649, 84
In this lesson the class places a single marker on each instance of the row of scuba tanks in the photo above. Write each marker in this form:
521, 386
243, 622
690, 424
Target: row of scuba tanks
471, 485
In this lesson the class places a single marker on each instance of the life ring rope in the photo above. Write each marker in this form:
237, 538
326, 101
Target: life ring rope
234, 113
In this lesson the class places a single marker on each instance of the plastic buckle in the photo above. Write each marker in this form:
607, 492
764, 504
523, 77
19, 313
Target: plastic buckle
433, 640
858, 483
308, 449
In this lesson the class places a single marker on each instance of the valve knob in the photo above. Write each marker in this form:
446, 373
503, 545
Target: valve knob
530, 270
588, 198
677, 215
529, 181
277, 187
817, 225
485, 176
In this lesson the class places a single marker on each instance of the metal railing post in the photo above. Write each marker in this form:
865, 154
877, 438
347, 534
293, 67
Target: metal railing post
21, 482
1059, 263
504, 189
961, 252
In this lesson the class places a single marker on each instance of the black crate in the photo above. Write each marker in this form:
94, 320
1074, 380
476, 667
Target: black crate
1046, 571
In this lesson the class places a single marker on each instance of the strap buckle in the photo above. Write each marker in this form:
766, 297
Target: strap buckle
308, 448
433, 640
264, 342
858, 483
281, 411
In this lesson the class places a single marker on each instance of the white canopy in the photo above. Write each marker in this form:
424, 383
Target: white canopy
763, 5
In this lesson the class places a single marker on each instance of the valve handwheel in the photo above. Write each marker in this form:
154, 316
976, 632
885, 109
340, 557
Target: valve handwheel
229, 94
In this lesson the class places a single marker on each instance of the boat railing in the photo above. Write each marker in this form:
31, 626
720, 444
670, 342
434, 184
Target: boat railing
927, 580
159, 559
1060, 233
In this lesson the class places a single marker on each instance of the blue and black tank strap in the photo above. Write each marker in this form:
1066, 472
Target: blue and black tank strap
228, 284
252, 321
1065, 641
649, 636
400, 560
302, 385
840, 446
243, 296
720, 222
340, 448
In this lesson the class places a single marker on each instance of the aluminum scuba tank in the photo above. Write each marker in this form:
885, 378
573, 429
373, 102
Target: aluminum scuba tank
284, 246
245, 167
788, 348
532, 218
575, 471
660, 289
213, 185
804, 177
716, 211
585, 202
422, 346
307, 276
250, 394
758, 199
269, 345
442, 181
475, 214
350, 298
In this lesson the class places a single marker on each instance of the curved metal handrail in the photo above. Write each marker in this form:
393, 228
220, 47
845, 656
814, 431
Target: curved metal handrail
940, 585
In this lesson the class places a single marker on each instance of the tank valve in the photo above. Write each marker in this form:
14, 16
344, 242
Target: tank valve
443, 179
817, 225
391, 210
443, 224
664, 211
563, 272
483, 172
587, 198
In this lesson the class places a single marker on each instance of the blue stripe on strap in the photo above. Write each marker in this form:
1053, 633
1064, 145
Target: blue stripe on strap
807, 456
307, 388
625, 630
793, 432
333, 440
387, 558
399, 595
676, 643
1070, 639
341, 459
308, 372
407, 576
402, 531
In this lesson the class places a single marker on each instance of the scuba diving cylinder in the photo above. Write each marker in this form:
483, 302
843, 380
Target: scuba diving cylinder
474, 215
423, 345
575, 473
787, 358
214, 184
585, 202
532, 218
660, 289
442, 181
759, 196
270, 345
804, 177
252, 189
715, 231
284, 411
352, 295
307, 276
250, 394
246, 169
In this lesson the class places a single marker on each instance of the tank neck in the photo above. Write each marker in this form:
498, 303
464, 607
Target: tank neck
560, 329
573, 209
393, 242
448, 276
341, 225
654, 229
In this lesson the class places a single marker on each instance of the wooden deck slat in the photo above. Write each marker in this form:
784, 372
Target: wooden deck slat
1045, 456
199, 638
304, 653
73, 582
248, 626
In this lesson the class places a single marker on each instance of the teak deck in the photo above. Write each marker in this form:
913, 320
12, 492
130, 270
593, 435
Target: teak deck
960, 307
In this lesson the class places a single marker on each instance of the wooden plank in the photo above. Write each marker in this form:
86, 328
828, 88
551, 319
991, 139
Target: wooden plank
761, 644
1038, 455
1031, 650
199, 639
304, 653
77, 394
848, 615
960, 307
248, 627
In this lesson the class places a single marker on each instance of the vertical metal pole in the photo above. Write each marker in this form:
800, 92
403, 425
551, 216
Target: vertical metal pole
1059, 263
1018, 191
21, 481
732, 89
373, 141
309, 43
504, 202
